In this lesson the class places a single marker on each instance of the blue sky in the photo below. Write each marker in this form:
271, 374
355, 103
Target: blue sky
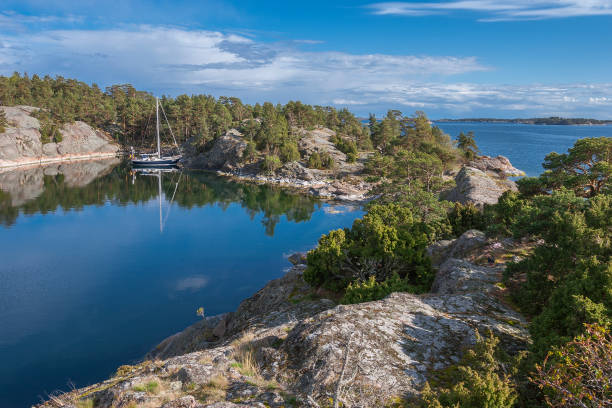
505, 58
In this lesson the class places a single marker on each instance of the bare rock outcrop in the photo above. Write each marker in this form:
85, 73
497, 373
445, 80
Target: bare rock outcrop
318, 140
478, 187
288, 345
21, 142
499, 166
225, 154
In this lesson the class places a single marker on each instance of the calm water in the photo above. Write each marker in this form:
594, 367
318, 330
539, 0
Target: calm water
525, 145
89, 282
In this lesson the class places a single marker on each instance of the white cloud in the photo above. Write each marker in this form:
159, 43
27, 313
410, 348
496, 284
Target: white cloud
502, 10
177, 57
173, 61
11, 21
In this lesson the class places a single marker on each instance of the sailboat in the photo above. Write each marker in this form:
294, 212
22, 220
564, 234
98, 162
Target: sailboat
156, 159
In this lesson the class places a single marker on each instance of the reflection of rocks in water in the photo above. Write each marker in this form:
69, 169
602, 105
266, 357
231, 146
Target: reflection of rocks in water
341, 209
26, 184
77, 184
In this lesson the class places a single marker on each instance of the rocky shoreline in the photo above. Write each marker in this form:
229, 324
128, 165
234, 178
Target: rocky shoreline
291, 345
21, 144
480, 181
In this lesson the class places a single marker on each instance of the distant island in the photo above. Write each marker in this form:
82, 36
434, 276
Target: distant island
553, 120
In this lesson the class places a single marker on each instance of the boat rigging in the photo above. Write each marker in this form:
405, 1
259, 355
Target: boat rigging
157, 159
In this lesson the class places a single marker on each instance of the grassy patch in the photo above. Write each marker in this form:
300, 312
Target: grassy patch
244, 355
152, 387
86, 403
215, 390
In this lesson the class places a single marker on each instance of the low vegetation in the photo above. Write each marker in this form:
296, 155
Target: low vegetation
564, 284
3, 122
481, 379
151, 387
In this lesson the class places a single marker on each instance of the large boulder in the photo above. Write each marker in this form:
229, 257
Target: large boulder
477, 187
225, 154
442, 250
499, 166
21, 142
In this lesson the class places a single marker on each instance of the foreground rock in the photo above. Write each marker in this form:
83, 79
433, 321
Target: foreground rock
289, 346
21, 142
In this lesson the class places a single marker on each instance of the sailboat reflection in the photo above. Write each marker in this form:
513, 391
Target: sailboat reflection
157, 172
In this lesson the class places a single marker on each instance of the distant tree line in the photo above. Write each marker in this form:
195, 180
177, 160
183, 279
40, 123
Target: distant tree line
552, 120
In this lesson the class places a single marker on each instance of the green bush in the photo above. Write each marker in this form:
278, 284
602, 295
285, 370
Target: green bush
49, 132
321, 161
368, 290
464, 217
345, 146
584, 296
386, 241
314, 161
289, 152
3, 122
579, 374
250, 152
271, 163
351, 157
480, 380
327, 161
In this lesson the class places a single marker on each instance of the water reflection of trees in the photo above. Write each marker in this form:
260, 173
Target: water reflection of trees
194, 190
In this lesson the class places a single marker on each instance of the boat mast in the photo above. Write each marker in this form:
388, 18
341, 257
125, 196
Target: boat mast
161, 225
157, 126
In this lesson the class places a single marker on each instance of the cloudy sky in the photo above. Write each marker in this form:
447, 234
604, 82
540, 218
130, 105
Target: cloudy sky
462, 58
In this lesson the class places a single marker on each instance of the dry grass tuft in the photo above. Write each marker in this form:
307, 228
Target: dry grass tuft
244, 354
215, 390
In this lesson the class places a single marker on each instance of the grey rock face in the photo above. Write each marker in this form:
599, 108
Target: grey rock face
499, 166
21, 142
297, 171
225, 154
393, 344
80, 138
318, 140
456, 248
477, 187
